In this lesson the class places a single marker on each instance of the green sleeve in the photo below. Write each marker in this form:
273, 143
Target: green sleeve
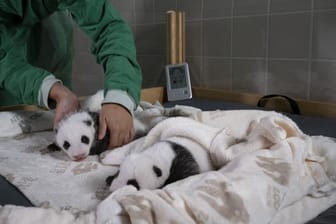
112, 43
17, 76
26, 13
21, 79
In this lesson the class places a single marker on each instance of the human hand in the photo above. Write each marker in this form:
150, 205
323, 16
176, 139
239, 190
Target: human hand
118, 121
66, 101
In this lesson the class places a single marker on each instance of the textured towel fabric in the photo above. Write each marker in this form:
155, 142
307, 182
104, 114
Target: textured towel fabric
268, 171
50, 179
274, 168
15, 123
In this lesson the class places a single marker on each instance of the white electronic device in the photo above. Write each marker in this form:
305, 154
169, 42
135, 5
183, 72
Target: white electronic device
178, 82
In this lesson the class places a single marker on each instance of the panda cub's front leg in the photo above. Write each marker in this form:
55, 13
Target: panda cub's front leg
116, 156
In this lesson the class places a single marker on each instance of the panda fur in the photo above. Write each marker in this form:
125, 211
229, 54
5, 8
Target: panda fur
84, 124
161, 164
77, 135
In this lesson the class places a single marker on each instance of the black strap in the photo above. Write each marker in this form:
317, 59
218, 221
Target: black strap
293, 104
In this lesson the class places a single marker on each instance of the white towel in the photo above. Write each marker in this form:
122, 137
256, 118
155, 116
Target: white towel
270, 172
274, 167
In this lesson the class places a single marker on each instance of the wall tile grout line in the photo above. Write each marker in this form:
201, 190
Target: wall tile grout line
246, 16
246, 58
135, 18
267, 40
231, 46
310, 52
202, 61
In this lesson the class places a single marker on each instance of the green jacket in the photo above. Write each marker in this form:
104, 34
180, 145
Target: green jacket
23, 65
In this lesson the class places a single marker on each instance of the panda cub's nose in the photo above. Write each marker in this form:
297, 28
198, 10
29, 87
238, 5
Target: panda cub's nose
80, 157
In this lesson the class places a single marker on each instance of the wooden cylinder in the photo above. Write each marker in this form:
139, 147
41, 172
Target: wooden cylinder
180, 37
171, 37
184, 37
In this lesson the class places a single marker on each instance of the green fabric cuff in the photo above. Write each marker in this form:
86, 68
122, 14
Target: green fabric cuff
120, 97
43, 94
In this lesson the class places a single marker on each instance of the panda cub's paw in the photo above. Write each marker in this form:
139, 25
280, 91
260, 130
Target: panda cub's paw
180, 110
112, 157
103, 155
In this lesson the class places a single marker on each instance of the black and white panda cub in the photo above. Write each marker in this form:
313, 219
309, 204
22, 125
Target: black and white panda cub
77, 136
162, 163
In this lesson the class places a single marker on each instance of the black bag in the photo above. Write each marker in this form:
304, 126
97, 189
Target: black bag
294, 107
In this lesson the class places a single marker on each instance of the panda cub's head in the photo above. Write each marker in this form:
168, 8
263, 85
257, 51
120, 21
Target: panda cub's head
160, 164
75, 135
145, 170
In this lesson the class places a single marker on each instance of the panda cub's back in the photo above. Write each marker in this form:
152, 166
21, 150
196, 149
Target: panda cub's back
190, 159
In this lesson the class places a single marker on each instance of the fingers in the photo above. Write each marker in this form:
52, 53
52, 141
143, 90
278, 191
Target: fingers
102, 128
59, 115
115, 139
120, 137
56, 120
119, 122
128, 137
66, 102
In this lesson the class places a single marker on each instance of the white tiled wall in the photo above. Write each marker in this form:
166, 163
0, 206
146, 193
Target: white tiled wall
258, 46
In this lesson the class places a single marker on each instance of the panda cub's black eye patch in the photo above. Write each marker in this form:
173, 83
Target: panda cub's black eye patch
85, 139
157, 171
66, 145
88, 122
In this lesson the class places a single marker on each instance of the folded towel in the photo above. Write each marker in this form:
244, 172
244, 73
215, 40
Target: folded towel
217, 129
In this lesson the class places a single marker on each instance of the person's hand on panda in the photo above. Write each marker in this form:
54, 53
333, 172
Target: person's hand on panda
66, 101
118, 121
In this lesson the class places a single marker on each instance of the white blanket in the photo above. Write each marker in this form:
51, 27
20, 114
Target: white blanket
268, 172
50, 179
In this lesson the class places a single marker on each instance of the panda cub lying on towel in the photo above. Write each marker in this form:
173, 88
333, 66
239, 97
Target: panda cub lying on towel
164, 162
77, 134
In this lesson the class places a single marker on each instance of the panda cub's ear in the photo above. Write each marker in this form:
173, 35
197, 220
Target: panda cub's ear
157, 171
53, 147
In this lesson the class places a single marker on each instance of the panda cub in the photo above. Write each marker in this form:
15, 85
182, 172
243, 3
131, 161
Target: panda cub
77, 136
160, 164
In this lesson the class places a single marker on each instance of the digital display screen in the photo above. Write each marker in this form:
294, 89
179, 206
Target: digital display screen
177, 76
